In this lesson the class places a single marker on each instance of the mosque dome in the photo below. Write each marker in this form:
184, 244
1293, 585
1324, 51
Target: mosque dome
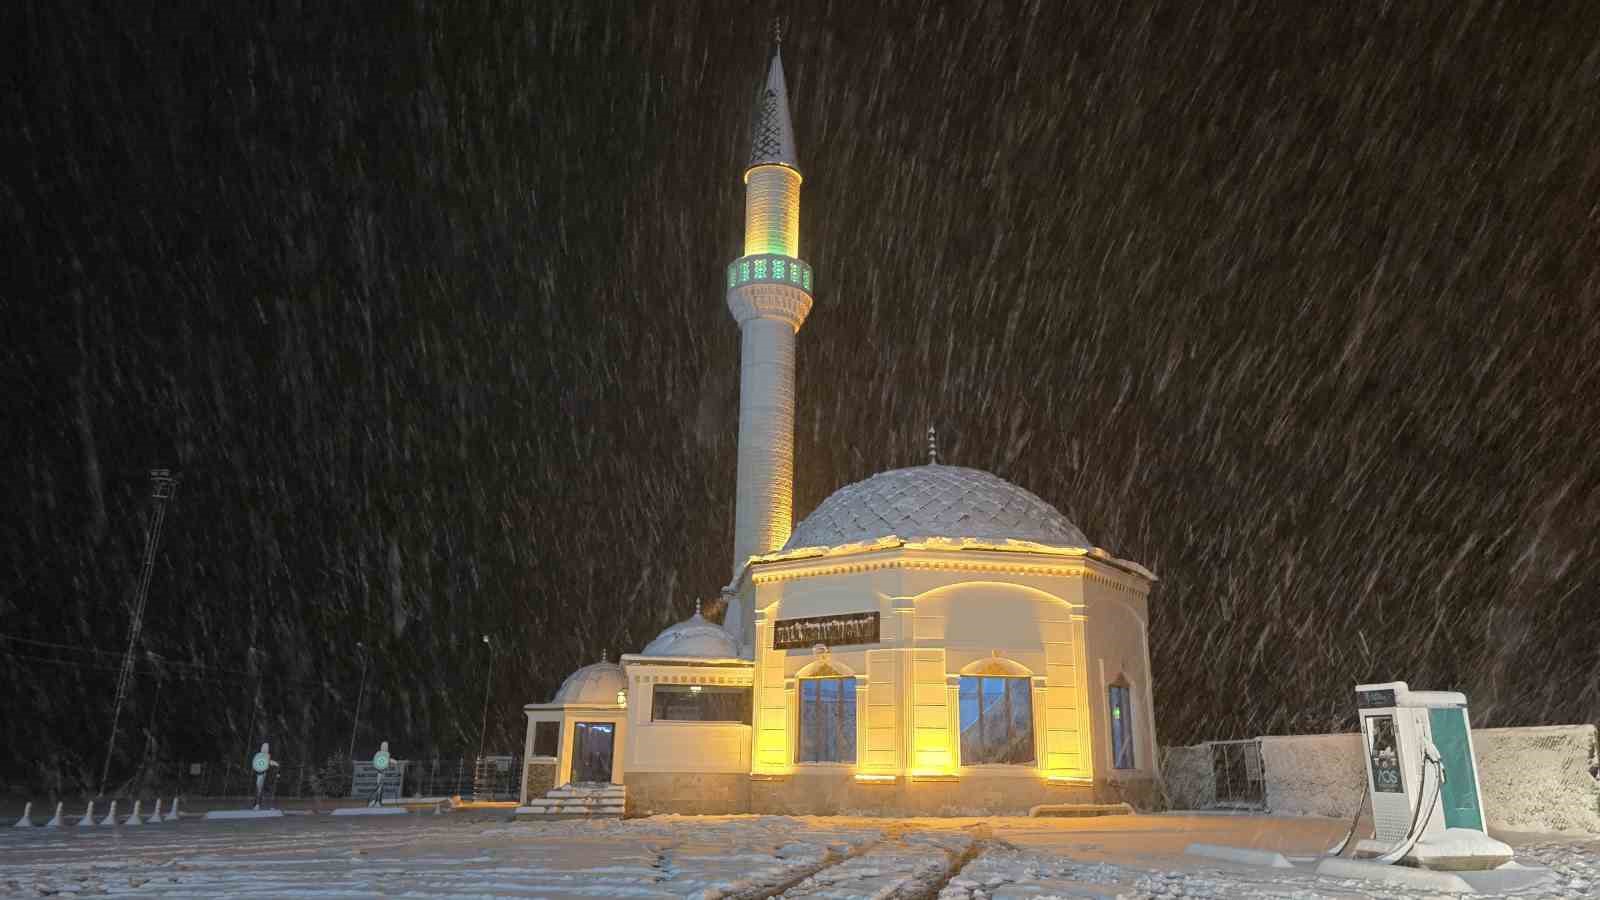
696, 637
934, 501
593, 685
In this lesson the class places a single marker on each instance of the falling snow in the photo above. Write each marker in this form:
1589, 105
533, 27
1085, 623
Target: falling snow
1298, 308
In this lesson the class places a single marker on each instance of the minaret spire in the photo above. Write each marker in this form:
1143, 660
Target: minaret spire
769, 294
771, 128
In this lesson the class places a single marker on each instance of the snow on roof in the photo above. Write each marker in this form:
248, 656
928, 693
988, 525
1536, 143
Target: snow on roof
596, 684
693, 637
934, 501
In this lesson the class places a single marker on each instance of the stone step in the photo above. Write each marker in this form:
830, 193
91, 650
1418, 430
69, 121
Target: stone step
570, 804
593, 811
618, 791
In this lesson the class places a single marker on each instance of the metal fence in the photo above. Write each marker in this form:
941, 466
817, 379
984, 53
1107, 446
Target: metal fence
1237, 768
468, 777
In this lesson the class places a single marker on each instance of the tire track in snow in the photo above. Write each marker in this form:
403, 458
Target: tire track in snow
907, 864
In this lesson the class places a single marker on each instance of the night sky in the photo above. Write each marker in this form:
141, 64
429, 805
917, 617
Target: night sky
1298, 307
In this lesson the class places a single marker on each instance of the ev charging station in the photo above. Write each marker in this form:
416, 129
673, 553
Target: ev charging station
1428, 822
1422, 778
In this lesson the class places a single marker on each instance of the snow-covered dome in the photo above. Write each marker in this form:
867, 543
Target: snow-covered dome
694, 636
934, 501
593, 685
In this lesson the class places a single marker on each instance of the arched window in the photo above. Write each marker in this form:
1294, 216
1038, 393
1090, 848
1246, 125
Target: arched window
996, 713
1121, 708
827, 712
828, 719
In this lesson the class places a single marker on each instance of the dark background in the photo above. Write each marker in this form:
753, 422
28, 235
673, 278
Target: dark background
1299, 306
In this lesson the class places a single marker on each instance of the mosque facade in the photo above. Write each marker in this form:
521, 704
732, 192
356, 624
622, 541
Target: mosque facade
932, 640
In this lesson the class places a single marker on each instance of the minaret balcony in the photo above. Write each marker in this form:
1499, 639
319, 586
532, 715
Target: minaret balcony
769, 286
770, 268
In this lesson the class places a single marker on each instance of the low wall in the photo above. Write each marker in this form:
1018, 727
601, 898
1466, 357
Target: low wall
1538, 779
1313, 774
1190, 781
829, 793
539, 777
687, 793
1531, 779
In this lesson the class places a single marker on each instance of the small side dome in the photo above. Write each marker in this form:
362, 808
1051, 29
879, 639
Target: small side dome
694, 637
593, 685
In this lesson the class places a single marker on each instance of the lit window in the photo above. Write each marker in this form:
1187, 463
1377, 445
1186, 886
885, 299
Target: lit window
761, 269
1121, 725
828, 720
699, 703
996, 720
777, 270
794, 273
805, 279
744, 272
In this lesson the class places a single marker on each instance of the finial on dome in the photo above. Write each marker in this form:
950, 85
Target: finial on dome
605, 655
933, 446
777, 31
697, 606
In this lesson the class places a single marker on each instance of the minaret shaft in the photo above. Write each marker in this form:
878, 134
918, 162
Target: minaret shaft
765, 508
772, 211
769, 294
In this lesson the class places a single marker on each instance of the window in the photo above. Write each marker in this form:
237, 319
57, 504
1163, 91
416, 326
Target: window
828, 720
1121, 725
546, 735
996, 720
699, 703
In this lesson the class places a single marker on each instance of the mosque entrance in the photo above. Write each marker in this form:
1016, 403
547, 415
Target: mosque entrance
592, 743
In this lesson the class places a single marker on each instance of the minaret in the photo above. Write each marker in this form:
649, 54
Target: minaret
769, 294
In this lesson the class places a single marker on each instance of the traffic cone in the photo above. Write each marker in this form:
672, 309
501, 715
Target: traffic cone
88, 816
27, 816
134, 819
111, 817
172, 814
55, 821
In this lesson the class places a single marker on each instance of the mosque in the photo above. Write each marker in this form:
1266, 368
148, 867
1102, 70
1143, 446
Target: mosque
933, 640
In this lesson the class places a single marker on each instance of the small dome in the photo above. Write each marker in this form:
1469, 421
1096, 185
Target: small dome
593, 685
694, 637
934, 501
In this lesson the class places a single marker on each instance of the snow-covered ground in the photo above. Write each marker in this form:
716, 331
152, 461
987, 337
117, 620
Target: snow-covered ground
484, 854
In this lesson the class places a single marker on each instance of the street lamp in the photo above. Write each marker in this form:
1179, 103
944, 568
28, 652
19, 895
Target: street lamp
361, 649
488, 679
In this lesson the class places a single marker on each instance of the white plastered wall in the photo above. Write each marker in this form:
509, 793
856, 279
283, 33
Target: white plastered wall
659, 746
569, 717
940, 612
1117, 637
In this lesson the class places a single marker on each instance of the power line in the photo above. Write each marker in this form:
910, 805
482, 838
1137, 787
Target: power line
201, 667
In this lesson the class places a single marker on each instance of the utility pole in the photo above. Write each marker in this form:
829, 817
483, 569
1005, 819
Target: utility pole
488, 679
162, 485
361, 649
